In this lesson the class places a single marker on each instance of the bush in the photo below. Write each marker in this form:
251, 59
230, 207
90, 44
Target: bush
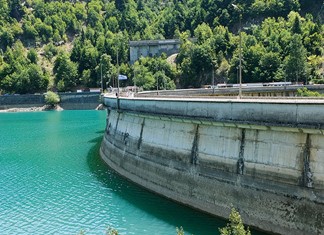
52, 98
304, 92
235, 225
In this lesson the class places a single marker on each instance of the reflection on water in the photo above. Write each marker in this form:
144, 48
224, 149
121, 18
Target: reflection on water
154, 206
54, 182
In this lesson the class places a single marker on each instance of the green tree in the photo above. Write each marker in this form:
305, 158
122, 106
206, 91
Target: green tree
222, 71
50, 51
304, 92
105, 70
6, 38
66, 72
25, 80
203, 33
89, 56
4, 9
143, 77
29, 30
296, 61
16, 9
52, 98
32, 56
197, 68
235, 225
296, 27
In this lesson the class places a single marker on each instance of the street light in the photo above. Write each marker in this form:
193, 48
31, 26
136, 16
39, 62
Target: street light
240, 51
117, 75
101, 73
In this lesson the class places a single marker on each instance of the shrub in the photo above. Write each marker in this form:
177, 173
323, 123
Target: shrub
52, 98
304, 92
235, 225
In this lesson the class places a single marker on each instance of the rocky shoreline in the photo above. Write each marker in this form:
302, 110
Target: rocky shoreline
32, 109
42, 108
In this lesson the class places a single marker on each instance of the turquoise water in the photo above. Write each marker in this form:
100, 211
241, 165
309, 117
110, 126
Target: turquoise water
54, 182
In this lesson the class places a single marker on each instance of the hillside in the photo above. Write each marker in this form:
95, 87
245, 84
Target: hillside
62, 45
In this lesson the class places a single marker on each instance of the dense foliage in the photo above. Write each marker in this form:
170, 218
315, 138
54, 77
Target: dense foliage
304, 92
52, 98
235, 225
65, 45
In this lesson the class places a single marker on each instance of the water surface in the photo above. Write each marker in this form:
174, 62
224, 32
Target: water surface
52, 181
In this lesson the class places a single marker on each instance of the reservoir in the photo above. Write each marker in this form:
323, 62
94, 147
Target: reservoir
54, 182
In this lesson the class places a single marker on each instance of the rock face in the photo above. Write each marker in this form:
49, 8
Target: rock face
201, 154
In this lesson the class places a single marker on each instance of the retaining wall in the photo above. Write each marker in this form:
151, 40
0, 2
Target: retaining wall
21, 101
264, 157
84, 100
80, 100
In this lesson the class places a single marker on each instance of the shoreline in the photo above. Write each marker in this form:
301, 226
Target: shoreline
42, 108
32, 109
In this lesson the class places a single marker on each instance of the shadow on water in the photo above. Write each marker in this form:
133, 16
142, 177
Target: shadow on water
193, 221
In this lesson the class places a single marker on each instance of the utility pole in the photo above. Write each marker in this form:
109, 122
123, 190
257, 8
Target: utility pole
240, 50
101, 74
213, 82
117, 75
240, 90
157, 82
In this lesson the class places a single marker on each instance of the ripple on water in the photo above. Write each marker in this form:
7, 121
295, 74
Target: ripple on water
53, 182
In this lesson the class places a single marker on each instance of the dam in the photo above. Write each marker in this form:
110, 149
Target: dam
264, 157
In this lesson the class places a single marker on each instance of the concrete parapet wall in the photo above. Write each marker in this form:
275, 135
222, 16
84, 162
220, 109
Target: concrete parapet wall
257, 92
203, 154
297, 113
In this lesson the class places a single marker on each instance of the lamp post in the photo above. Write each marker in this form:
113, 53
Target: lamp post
101, 74
157, 80
214, 63
240, 51
213, 81
117, 75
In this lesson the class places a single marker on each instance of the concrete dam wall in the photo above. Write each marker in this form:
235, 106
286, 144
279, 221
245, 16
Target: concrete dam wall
265, 158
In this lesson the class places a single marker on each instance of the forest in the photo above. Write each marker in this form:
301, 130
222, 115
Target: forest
69, 45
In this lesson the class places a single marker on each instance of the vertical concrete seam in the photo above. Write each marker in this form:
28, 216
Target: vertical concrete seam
240, 161
297, 120
108, 124
194, 150
117, 123
139, 144
125, 138
307, 174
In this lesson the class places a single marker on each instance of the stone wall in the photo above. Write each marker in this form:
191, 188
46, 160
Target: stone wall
266, 158
21, 101
82, 100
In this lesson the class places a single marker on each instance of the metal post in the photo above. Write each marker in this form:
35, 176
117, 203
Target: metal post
240, 66
164, 79
101, 74
135, 79
118, 101
117, 75
213, 82
157, 84
240, 50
